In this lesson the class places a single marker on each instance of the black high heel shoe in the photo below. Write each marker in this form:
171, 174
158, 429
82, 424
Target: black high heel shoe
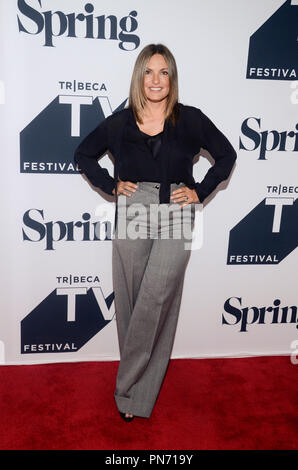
126, 418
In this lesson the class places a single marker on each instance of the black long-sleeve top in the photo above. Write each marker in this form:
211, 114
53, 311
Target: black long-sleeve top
172, 158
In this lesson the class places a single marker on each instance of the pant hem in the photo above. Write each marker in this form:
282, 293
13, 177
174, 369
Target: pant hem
128, 405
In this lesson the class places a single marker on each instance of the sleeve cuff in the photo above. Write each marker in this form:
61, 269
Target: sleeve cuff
198, 189
200, 193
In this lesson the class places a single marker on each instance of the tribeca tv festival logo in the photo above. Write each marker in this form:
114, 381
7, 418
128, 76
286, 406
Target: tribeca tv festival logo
53, 24
273, 48
269, 233
68, 317
48, 142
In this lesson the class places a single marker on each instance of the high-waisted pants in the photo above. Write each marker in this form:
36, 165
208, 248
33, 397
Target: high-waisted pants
149, 261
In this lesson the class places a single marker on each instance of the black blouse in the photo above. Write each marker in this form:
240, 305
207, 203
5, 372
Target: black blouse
153, 142
141, 159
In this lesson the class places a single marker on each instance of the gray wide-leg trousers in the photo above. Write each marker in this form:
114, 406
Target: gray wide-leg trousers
149, 261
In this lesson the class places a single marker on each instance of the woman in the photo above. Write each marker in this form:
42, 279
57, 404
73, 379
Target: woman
153, 142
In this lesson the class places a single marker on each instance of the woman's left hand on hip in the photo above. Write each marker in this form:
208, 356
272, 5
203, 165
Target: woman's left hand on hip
185, 195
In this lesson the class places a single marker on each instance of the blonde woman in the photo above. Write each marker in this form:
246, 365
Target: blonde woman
153, 142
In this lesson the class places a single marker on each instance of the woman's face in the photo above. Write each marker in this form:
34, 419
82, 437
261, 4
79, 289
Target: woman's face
156, 79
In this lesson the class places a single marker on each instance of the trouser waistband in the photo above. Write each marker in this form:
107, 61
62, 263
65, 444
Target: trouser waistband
154, 186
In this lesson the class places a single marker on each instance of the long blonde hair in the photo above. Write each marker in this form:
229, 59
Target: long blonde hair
137, 98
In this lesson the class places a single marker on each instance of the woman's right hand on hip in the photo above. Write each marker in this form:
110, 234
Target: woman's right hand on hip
123, 187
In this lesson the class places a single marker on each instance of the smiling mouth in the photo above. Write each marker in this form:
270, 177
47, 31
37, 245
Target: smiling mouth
155, 89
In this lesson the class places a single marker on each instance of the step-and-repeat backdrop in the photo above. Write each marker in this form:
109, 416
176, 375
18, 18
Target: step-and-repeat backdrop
65, 66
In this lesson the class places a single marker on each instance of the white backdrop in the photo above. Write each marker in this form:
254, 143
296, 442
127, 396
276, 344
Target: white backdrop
240, 291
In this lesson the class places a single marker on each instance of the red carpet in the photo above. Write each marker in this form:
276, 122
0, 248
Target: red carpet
247, 403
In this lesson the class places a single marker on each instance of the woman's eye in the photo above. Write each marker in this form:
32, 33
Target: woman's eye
147, 72
165, 72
